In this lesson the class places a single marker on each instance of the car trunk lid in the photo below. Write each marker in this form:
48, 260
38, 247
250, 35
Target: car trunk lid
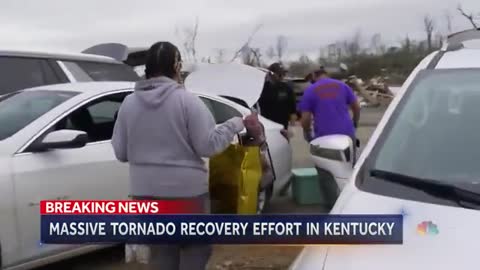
116, 51
229, 80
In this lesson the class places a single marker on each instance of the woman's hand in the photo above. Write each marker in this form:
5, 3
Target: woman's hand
238, 123
252, 124
307, 135
251, 119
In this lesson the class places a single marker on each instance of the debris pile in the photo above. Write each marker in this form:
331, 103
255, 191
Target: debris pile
372, 94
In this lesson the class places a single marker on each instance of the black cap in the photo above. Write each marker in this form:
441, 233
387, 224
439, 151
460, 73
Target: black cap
277, 68
320, 71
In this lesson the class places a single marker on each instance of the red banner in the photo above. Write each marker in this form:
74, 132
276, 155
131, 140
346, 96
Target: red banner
127, 207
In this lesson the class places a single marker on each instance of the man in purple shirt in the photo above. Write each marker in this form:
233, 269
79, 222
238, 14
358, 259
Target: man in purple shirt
329, 101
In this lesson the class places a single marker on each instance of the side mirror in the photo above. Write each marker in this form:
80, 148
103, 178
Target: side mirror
334, 154
62, 139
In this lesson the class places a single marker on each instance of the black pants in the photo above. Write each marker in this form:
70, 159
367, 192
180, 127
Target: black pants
181, 257
354, 148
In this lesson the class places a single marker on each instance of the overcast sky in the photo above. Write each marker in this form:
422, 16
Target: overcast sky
72, 25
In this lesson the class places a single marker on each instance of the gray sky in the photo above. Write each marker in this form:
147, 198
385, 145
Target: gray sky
72, 25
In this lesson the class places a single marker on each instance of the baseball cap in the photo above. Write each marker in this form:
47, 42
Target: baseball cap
321, 70
277, 68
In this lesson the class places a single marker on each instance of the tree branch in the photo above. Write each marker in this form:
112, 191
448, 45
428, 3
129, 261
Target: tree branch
188, 38
247, 43
469, 17
281, 46
194, 40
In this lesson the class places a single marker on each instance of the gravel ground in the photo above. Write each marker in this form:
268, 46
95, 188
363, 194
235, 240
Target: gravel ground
237, 257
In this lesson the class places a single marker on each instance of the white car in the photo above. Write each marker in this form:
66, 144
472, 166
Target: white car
55, 144
26, 69
422, 161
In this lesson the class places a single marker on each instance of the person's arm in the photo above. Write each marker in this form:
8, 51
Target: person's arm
293, 105
120, 136
352, 101
208, 139
293, 118
306, 106
355, 107
306, 121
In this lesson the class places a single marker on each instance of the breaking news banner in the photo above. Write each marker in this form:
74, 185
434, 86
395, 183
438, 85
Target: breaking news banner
167, 222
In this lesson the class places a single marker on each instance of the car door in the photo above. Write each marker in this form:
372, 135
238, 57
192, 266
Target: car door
91, 172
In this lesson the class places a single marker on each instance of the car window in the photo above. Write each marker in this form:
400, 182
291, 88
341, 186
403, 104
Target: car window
433, 133
208, 103
19, 73
92, 71
17, 110
77, 72
223, 112
97, 118
104, 112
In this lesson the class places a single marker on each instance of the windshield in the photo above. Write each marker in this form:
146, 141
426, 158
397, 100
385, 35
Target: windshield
19, 109
434, 132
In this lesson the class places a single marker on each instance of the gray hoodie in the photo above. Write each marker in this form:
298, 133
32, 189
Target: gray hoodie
163, 131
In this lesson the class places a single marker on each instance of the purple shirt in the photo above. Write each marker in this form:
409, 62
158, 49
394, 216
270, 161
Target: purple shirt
329, 101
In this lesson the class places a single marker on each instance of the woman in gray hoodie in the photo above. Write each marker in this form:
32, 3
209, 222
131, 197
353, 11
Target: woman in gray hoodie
163, 131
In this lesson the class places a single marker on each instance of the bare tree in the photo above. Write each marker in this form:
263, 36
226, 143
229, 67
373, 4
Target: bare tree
332, 51
251, 56
247, 56
270, 52
281, 46
448, 20
220, 57
302, 66
376, 43
188, 36
246, 46
322, 58
257, 55
353, 47
470, 17
179, 33
429, 26
407, 44
438, 40
304, 59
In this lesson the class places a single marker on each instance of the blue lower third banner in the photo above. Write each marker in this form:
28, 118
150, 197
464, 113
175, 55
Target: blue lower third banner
222, 229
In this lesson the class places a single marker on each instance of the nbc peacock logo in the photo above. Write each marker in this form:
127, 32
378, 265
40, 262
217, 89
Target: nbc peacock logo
427, 228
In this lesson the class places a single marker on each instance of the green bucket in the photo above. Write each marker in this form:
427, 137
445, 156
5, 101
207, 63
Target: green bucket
306, 188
